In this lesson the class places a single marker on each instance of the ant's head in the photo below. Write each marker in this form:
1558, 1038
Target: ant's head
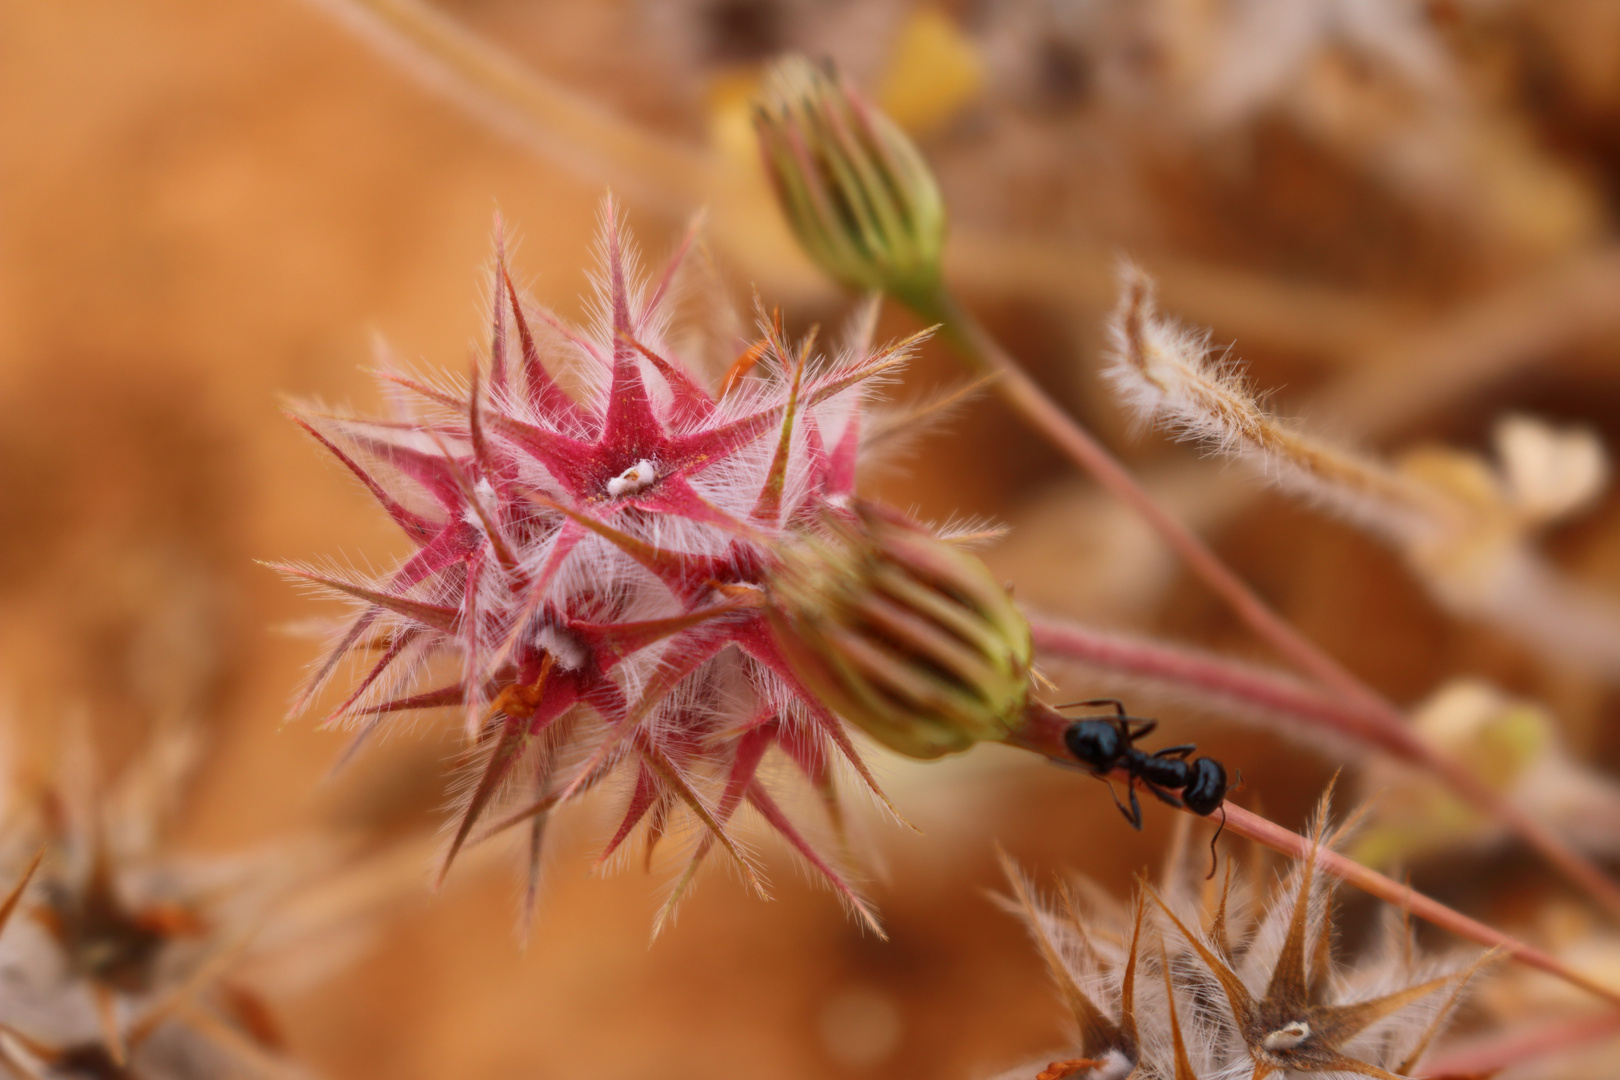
1097, 743
1207, 788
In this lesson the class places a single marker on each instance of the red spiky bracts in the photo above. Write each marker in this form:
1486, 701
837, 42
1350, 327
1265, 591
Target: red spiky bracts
593, 566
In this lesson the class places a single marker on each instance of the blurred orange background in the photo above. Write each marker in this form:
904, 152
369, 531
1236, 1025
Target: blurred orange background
205, 207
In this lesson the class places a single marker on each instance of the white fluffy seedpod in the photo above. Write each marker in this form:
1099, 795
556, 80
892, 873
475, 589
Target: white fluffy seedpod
1464, 525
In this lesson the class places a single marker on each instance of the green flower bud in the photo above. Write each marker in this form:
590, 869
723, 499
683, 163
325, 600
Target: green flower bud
855, 189
905, 635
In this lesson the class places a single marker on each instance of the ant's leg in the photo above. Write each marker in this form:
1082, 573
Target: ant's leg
1124, 725
1136, 808
1136, 822
1176, 751
1119, 706
1212, 857
1132, 728
1163, 796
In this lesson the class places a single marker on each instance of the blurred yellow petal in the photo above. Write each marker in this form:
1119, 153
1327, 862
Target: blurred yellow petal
934, 73
730, 123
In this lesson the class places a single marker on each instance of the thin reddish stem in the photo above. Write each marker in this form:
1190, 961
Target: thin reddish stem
1239, 686
1276, 693
1382, 721
1042, 732
1490, 1056
1274, 836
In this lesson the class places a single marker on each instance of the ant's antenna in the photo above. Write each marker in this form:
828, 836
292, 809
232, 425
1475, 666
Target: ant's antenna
1236, 787
1214, 860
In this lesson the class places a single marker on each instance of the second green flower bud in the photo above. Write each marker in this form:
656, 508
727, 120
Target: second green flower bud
904, 634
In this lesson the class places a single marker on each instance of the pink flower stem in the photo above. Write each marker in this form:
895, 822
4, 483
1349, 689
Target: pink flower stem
1239, 686
1043, 730
1279, 695
1490, 1056
1375, 713
1369, 881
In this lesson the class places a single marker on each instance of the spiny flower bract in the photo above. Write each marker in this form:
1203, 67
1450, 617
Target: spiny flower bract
125, 959
1216, 982
592, 565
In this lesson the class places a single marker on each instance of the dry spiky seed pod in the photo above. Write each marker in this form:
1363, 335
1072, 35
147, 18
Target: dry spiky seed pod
1195, 982
127, 960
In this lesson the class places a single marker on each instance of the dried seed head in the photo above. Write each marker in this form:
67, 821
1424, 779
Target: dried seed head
855, 190
905, 634
124, 957
1198, 980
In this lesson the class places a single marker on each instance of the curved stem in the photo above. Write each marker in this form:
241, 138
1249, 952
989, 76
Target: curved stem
1275, 693
1042, 732
512, 98
935, 303
1490, 1056
1241, 687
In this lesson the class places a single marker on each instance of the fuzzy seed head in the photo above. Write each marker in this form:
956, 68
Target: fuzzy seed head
908, 635
855, 189
1464, 525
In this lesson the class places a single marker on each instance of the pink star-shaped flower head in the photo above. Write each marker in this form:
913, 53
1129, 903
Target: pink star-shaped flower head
594, 524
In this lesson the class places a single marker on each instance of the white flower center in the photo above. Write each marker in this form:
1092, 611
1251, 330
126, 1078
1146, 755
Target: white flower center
1115, 1066
636, 478
559, 643
1287, 1037
484, 492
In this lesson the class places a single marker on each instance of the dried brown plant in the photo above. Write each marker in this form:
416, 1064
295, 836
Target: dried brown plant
1195, 979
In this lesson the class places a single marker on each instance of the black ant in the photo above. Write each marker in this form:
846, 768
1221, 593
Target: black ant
1105, 743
